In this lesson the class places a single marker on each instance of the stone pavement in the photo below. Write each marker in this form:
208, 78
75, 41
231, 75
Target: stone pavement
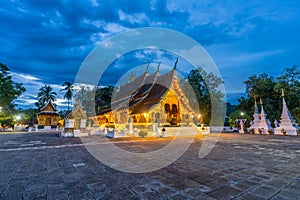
44, 166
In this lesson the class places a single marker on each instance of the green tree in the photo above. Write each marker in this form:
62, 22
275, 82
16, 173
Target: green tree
205, 86
290, 82
103, 98
28, 116
269, 90
94, 99
261, 87
86, 96
9, 92
69, 92
46, 94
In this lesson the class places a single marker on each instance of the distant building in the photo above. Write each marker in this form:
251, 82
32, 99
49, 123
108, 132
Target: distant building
76, 119
48, 116
148, 99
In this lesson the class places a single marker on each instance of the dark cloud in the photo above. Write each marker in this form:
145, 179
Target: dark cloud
50, 39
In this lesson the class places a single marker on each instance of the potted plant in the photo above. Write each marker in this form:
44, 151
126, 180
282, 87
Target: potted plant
173, 121
143, 133
163, 130
283, 131
270, 132
259, 131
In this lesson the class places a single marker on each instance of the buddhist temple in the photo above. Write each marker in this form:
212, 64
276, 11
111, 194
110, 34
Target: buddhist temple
264, 123
256, 116
75, 122
77, 117
148, 99
48, 117
287, 125
260, 124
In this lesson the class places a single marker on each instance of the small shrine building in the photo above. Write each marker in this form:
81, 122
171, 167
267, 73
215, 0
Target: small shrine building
76, 118
48, 117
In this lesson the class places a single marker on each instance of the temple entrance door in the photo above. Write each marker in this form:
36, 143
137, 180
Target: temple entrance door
48, 122
77, 124
174, 111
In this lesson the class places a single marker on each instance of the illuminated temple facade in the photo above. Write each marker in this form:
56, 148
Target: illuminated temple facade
149, 99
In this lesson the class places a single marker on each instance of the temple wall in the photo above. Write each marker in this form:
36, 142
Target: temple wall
47, 120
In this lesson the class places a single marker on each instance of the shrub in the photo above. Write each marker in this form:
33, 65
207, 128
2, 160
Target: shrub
259, 131
53, 126
41, 126
173, 121
270, 132
283, 131
143, 133
252, 131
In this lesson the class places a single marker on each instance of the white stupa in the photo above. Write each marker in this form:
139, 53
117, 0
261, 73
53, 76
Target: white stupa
256, 120
287, 123
263, 123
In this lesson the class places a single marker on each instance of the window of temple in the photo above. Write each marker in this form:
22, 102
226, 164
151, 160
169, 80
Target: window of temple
174, 111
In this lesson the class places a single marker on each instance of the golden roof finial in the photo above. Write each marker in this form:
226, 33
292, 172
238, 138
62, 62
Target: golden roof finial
282, 92
260, 101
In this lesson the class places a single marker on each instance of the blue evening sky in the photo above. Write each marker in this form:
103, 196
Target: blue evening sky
45, 42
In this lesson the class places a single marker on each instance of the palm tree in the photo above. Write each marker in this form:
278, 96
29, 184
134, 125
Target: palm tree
46, 94
69, 91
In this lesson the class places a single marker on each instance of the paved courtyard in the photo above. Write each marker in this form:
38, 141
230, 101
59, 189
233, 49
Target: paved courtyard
44, 166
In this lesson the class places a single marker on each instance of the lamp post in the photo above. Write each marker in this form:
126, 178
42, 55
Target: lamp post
18, 117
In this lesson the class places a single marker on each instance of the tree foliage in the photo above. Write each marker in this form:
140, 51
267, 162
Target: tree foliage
45, 95
69, 88
86, 96
269, 90
94, 99
9, 92
103, 98
205, 86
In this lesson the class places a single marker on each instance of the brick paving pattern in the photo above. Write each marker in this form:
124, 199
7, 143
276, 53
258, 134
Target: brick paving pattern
44, 166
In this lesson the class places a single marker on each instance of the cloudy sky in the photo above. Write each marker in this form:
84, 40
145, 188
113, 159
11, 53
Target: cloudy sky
45, 42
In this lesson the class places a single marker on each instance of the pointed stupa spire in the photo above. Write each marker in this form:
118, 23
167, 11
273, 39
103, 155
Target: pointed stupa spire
256, 118
264, 124
287, 123
260, 101
255, 106
262, 113
175, 65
